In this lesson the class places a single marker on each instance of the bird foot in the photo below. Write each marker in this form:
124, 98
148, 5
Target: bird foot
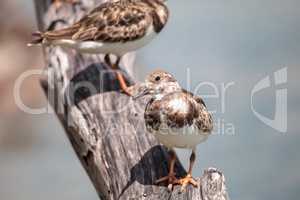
172, 180
186, 181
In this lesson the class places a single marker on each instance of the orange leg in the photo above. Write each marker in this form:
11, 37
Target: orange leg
172, 180
189, 179
122, 82
120, 76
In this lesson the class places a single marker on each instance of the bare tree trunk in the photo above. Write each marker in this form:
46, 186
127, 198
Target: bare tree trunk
104, 126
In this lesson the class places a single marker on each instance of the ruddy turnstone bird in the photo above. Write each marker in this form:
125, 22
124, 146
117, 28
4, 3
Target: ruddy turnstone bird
177, 118
111, 28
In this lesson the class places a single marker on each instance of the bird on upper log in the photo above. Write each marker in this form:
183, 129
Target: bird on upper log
177, 118
113, 28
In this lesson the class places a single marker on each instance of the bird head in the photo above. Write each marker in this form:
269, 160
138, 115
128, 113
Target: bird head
157, 84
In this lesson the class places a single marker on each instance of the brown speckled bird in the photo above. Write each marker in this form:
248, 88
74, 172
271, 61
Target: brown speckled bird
177, 118
111, 28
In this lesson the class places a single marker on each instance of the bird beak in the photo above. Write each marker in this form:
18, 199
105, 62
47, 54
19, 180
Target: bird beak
144, 91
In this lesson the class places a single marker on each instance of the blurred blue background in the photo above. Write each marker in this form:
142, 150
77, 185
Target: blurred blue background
219, 42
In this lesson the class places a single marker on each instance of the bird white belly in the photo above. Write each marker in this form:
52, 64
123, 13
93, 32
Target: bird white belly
187, 137
116, 48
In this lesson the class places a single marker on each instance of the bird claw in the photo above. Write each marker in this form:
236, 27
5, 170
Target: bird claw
170, 187
170, 178
186, 181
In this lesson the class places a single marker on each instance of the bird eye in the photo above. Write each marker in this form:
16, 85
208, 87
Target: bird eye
157, 78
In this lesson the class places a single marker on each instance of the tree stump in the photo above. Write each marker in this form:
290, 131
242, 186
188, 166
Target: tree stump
106, 127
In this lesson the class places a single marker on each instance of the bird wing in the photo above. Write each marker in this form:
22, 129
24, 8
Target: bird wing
203, 118
109, 22
152, 115
198, 99
177, 110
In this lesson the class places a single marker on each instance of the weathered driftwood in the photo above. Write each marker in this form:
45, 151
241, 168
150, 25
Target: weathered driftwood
106, 127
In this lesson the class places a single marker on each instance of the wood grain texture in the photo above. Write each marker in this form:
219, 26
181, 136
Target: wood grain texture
105, 127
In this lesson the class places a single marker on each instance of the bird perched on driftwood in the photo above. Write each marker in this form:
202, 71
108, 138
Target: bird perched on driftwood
111, 28
177, 118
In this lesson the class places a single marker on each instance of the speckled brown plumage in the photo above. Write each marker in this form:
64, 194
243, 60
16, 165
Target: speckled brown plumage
160, 110
191, 110
120, 21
